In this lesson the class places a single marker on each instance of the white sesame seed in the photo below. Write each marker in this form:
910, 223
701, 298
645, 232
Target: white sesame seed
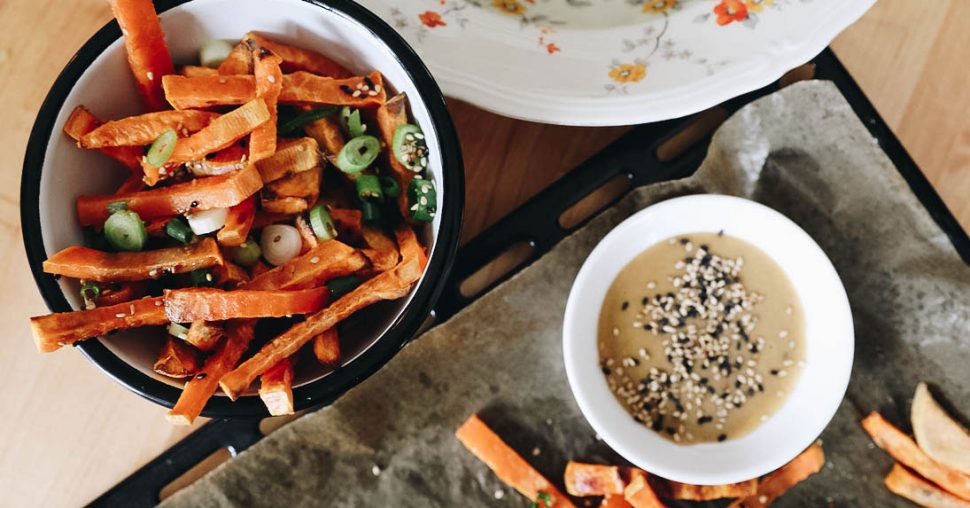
499, 494
763, 499
314, 260
271, 78
783, 334
208, 277
131, 309
150, 75
536, 451
120, 315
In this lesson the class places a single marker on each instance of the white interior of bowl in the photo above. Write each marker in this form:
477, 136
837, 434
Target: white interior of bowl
829, 340
108, 90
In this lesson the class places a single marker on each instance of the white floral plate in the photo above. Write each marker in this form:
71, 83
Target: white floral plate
612, 62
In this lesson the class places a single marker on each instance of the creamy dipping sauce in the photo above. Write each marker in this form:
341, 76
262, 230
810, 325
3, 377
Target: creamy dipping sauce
701, 337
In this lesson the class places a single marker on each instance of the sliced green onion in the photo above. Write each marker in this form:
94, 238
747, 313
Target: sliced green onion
178, 229
247, 253
160, 151
370, 211
213, 52
90, 291
409, 147
345, 118
422, 200
352, 123
369, 187
293, 125
358, 153
202, 277
322, 223
116, 206
340, 286
125, 231
178, 331
389, 187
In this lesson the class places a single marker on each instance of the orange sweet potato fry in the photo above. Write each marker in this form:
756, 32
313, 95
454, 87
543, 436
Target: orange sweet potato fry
309, 238
143, 129
389, 285
508, 465
82, 122
669, 489
903, 483
276, 388
120, 292
292, 156
326, 347
905, 450
209, 304
55, 330
222, 132
593, 480
284, 206
147, 51
327, 133
638, 491
381, 251
225, 161
407, 241
300, 88
204, 335
615, 501
229, 275
239, 333
328, 260
239, 61
197, 70
133, 183
177, 359
198, 194
349, 222
390, 116
238, 223
298, 59
269, 82
305, 184
89, 264
777, 483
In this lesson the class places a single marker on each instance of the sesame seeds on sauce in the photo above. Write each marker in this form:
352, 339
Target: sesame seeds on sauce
692, 350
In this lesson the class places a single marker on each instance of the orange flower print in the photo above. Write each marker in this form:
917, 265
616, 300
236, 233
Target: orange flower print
510, 6
658, 6
757, 5
552, 48
431, 19
628, 73
730, 10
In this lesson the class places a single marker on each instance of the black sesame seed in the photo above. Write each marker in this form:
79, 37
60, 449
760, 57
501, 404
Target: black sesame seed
201, 375
670, 430
368, 82
644, 300
658, 424
704, 381
194, 204
721, 438
625, 306
606, 370
720, 233
750, 392
684, 241
774, 372
346, 89
704, 419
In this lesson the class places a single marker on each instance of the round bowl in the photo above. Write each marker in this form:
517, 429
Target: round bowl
829, 341
56, 172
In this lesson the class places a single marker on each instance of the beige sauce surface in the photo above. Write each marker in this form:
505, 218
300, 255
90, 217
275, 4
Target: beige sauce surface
701, 337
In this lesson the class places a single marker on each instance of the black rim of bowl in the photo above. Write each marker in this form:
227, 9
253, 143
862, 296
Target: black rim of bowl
322, 391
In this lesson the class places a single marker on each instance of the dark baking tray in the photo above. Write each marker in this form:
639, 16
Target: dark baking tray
537, 224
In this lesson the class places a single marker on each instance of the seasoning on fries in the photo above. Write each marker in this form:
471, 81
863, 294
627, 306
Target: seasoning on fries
232, 214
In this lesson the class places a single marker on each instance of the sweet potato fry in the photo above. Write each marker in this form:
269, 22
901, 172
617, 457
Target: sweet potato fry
222, 132
905, 450
901, 482
291, 157
381, 251
143, 129
309, 238
410, 248
615, 501
133, 183
147, 51
209, 304
239, 333
284, 206
238, 223
328, 135
326, 347
390, 116
638, 492
349, 222
82, 122
239, 61
198, 194
89, 264
669, 489
229, 275
192, 71
276, 388
508, 465
225, 161
593, 480
177, 359
55, 330
120, 292
300, 88
204, 335
298, 59
305, 184
328, 260
777, 483
390, 285
269, 82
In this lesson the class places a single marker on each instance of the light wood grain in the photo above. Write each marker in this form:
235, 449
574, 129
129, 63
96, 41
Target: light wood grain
69, 432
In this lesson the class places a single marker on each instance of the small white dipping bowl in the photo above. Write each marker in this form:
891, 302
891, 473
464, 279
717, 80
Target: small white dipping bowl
829, 341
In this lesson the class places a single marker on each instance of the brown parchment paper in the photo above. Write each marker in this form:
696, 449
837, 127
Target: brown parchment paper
801, 151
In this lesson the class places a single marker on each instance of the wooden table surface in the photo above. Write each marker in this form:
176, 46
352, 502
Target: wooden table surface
69, 432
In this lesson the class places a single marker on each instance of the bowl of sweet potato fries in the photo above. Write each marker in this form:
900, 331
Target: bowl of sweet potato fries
240, 207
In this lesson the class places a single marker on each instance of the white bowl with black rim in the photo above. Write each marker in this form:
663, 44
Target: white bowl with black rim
56, 172
829, 341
